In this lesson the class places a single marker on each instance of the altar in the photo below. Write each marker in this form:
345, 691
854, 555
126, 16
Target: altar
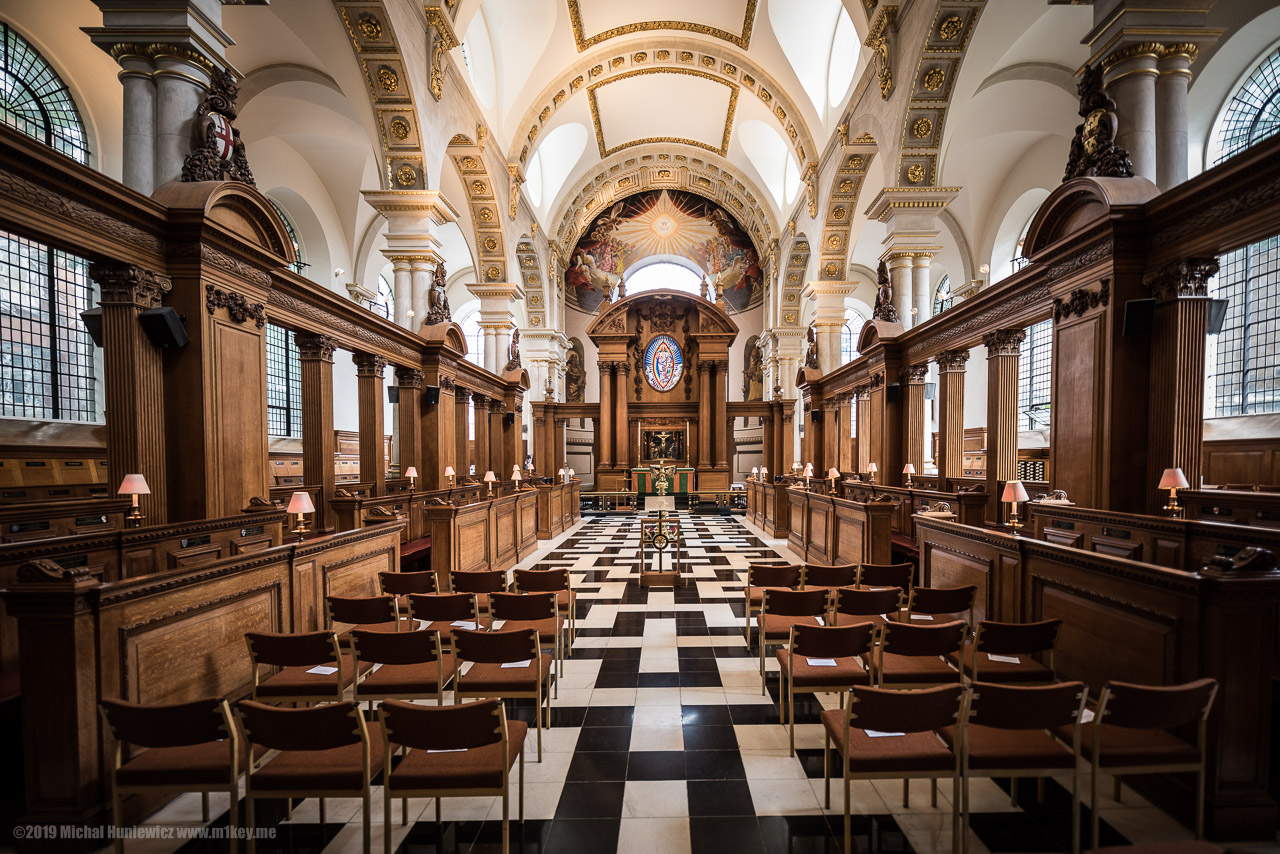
682, 481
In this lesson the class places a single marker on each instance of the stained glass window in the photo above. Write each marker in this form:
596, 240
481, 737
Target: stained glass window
1243, 361
34, 100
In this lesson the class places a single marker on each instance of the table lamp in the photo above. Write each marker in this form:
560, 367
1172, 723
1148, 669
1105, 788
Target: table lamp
490, 478
515, 476
755, 472
449, 473
564, 478
872, 468
1173, 479
134, 485
572, 475
808, 473
764, 474
909, 470
1014, 492
833, 475
412, 474
300, 504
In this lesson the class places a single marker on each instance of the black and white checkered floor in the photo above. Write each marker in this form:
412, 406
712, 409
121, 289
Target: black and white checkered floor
661, 740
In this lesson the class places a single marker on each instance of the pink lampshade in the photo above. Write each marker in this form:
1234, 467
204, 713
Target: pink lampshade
134, 484
1171, 479
489, 477
808, 470
834, 473
909, 469
300, 502
411, 472
764, 472
1014, 491
561, 472
873, 468
449, 472
515, 475
755, 471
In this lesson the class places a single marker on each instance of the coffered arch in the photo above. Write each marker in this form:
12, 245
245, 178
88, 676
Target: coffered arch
795, 266
486, 210
841, 206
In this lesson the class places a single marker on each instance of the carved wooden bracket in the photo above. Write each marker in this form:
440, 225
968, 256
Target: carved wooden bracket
239, 308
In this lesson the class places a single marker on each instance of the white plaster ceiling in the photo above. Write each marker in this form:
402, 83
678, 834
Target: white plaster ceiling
697, 110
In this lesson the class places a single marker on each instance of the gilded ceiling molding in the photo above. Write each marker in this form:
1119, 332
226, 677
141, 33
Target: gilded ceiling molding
531, 275
722, 150
381, 60
794, 265
491, 262
947, 40
741, 39
686, 54
443, 40
882, 39
624, 176
837, 226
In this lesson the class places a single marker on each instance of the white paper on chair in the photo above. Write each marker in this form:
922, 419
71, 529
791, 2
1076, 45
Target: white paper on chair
921, 617
821, 621
514, 664
1006, 659
322, 670
463, 624
450, 750
821, 662
875, 733
1086, 716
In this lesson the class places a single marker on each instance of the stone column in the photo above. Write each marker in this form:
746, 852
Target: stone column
1003, 348
497, 319
462, 430
182, 83
421, 269
951, 367
787, 440
1181, 290
411, 217
1174, 67
606, 415
402, 290
913, 382
1129, 75
922, 293
559, 443
134, 382
371, 370
900, 280
910, 215
862, 396
139, 168
828, 303
318, 441
480, 451
409, 412
706, 389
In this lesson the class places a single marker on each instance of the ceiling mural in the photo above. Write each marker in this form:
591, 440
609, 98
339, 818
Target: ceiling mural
663, 223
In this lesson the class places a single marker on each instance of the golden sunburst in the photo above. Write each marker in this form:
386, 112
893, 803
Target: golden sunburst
664, 229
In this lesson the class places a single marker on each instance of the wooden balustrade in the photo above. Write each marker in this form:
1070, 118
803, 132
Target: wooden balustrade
1237, 506
164, 638
60, 517
559, 507
1136, 622
492, 533
829, 530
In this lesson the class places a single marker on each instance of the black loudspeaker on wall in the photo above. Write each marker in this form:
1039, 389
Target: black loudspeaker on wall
393, 394
817, 415
893, 392
164, 327
509, 418
1139, 317
93, 324
432, 395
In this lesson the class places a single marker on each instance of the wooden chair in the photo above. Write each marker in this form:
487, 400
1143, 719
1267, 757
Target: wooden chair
927, 604
768, 576
915, 656
481, 582
890, 735
886, 575
189, 747
782, 609
401, 584
819, 577
313, 667
487, 652
866, 606
368, 613
455, 751
324, 752
537, 611
412, 666
1008, 732
555, 581
849, 647
1002, 652
1130, 735
444, 612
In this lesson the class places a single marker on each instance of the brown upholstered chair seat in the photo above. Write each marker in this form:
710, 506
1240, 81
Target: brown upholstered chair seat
1026, 670
475, 768
320, 770
409, 678
296, 681
852, 619
916, 669
778, 626
547, 628
405, 625
995, 748
847, 672
755, 595
911, 752
1122, 746
494, 678
192, 765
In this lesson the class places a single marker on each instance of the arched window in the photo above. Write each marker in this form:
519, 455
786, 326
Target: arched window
664, 274
1253, 113
1019, 259
853, 323
942, 296
299, 265
1243, 361
34, 100
471, 330
384, 304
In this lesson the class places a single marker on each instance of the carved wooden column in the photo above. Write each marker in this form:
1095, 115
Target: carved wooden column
621, 426
787, 440
559, 443
720, 412
134, 383
370, 372
1003, 347
1178, 335
913, 381
770, 457
951, 367
318, 441
831, 435
606, 416
462, 430
862, 412
706, 388
480, 414
409, 393
440, 432
497, 411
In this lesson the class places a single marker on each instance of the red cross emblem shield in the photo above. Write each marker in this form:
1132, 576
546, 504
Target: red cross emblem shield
223, 135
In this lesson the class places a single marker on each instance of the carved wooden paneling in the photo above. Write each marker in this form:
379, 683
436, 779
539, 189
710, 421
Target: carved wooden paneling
473, 540
1075, 412
1242, 461
948, 567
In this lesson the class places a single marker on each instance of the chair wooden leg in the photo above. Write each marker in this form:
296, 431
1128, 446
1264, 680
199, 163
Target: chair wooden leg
848, 818
233, 819
933, 792
386, 819
522, 786
1039, 790
906, 792
791, 714
437, 809
1200, 802
204, 807
366, 813
1075, 810
957, 831
1093, 806
1116, 794
117, 817
506, 822
404, 812
826, 768
1013, 791
250, 824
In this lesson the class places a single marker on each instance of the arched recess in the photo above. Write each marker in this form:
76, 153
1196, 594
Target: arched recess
1016, 218
486, 211
842, 203
384, 63
1079, 202
238, 208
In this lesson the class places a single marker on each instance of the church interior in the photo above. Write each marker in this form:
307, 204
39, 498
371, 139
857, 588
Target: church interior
864, 435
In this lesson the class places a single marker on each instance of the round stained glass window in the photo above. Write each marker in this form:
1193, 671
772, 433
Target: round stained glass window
663, 363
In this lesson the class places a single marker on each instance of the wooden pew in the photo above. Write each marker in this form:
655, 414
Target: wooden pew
1239, 507
492, 533
163, 638
829, 530
559, 507
1133, 621
969, 507
60, 517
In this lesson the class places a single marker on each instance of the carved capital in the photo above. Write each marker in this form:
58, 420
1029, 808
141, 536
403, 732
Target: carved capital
952, 360
409, 377
447, 383
239, 309
126, 284
1004, 342
478, 400
915, 374
369, 365
877, 381
496, 405
862, 392
1186, 277
312, 346
1081, 300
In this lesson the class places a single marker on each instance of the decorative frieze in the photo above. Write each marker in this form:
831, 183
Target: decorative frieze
1081, 300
